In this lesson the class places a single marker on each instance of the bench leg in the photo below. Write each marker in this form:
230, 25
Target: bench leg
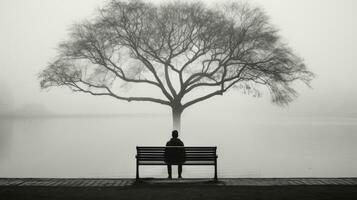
215, 171
137, 170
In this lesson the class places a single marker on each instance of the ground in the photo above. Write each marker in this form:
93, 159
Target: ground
182, 192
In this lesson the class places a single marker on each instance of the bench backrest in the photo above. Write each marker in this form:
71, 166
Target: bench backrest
193, 155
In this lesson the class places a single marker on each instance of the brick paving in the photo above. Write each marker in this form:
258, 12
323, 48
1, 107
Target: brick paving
289, 181
67, 182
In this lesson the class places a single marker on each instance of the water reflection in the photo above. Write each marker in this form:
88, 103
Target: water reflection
105, 146
6, 130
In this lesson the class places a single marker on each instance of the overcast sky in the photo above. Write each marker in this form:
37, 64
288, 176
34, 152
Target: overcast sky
323, 32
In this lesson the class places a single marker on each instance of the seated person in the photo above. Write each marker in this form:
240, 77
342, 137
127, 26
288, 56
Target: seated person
174, 156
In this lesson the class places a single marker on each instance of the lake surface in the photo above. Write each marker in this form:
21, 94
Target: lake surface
104, 147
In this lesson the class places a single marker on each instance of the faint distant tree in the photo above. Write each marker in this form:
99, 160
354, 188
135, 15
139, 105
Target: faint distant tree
185, 52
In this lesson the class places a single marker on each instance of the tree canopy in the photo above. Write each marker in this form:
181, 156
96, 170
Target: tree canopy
179, 49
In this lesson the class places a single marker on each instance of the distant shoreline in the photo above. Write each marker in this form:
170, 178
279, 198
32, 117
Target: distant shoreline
50, 116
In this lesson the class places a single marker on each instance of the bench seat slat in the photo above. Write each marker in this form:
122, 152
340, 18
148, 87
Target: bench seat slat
163, 147
187, 151
186, 156
192, 163
163, 159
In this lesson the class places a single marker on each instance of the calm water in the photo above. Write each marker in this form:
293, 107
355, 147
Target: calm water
249, 147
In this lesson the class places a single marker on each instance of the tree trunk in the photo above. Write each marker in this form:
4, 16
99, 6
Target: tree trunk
176, 119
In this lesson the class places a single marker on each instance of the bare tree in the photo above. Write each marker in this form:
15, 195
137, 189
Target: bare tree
188, 52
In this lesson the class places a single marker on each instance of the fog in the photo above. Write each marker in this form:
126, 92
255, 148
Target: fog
38, 123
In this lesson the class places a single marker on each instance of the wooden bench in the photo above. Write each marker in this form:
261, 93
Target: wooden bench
151, 155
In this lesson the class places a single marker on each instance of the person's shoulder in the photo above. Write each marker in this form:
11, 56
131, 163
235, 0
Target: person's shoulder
180, 142
168, 143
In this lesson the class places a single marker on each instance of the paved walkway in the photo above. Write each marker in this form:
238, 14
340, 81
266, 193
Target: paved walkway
55, 182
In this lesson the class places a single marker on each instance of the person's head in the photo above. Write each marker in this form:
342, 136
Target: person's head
175, 134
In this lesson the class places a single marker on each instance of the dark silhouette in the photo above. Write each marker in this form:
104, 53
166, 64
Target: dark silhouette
177, 49
174, 155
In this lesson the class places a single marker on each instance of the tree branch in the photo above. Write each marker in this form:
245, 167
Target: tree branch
110, 93
190, 103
